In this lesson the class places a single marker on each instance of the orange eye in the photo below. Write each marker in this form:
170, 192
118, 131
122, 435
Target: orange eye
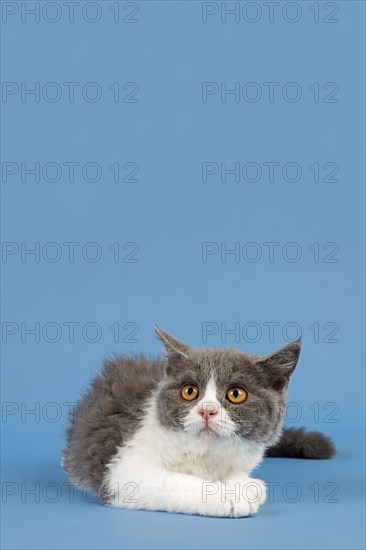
236, 395
189, 392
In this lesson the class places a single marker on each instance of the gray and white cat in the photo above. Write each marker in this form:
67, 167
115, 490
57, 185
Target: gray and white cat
183, 433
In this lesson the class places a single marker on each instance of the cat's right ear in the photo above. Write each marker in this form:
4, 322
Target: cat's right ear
173, 347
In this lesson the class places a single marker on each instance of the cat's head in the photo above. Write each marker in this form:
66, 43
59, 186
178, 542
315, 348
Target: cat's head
220, 392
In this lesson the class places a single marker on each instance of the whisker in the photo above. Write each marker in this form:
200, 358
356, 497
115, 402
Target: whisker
228, 455
238, 438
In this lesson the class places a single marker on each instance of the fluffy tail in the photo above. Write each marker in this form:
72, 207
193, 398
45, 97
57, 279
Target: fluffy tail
297, 443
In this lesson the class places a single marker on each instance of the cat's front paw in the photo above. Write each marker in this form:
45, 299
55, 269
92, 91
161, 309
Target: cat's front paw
249, 496
236, 498
256, 494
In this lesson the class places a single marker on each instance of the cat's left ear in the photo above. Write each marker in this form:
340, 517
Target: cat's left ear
280, 365
173, 347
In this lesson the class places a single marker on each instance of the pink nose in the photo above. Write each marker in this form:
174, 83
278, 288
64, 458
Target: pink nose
208, 412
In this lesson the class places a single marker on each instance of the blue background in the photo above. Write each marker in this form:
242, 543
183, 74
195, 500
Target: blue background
169, 213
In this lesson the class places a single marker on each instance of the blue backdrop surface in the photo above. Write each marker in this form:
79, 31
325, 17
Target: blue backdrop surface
199, 165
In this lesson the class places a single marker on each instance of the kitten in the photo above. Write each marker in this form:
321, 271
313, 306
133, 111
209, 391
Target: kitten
183, 434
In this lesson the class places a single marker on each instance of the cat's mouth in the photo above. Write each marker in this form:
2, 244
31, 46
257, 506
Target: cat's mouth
206, 429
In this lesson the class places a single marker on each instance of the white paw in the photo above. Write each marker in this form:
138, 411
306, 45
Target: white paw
248, 498
256, 494
237, 497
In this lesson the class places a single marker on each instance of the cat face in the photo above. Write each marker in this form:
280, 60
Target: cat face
224, 392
